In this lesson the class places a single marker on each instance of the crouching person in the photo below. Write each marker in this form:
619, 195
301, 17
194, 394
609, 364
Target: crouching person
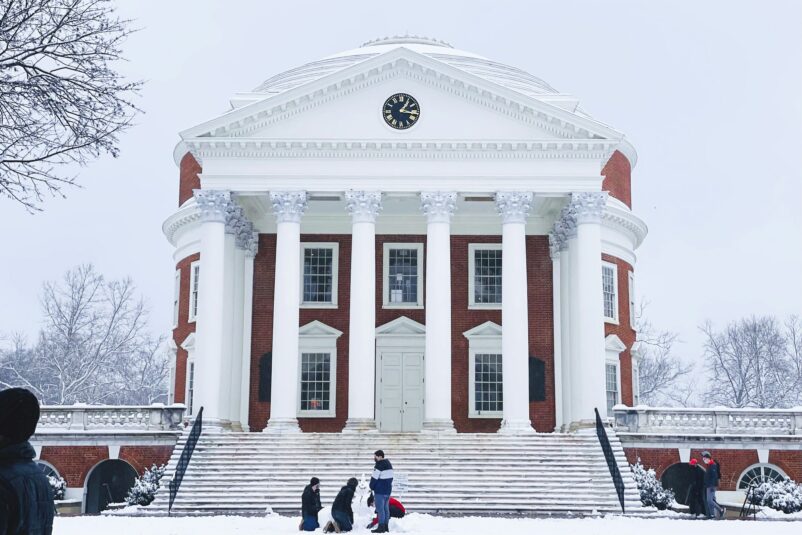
397, 510
341, 513
310, 505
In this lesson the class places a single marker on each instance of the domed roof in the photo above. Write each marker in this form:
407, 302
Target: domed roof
499, 73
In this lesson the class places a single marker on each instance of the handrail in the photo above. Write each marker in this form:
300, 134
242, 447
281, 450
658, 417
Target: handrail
748, 507
609, 456
186, 455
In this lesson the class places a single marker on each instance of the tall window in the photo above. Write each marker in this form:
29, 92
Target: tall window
403, 274
631, 291
176, 294
484, 283
194, 284
635, 383
191, 388
612, 387
609, 287
319, 283
315, 382
488, 392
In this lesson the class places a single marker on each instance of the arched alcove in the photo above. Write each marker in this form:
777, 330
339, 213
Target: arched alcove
108, 482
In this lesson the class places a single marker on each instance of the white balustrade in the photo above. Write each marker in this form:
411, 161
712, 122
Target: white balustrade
108, 418
713, 421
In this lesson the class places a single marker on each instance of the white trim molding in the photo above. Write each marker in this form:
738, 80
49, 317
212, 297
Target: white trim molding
335, 262
472, 248
485, 338
317, 337
386, 302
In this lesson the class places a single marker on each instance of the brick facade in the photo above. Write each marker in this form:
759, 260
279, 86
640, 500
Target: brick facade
73, 463
657, 458
618, 178
184, 328
143, 457
623, 330
189, 178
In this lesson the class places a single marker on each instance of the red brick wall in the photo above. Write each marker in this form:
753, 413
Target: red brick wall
143, 457
657, 458
184, 328
789, 461
623, 330
540, 310
617, 178
188, 177
73, 463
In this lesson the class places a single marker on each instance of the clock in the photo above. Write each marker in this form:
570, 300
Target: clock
401, 111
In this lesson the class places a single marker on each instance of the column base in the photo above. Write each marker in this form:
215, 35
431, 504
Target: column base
236, 427
360, 425
582, 426
215, 425
439, 425
516, 427
282, 426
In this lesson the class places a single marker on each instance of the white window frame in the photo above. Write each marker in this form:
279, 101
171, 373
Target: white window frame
472, 248
762, 467
194, 297
613, 362
386, 275
614, 318
482, 339
631, 291
635, 382
191, 379
176, 296
317, 337
335, 262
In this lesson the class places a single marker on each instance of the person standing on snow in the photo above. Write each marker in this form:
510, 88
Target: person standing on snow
711, 480
310, 505
381, 483
26, 498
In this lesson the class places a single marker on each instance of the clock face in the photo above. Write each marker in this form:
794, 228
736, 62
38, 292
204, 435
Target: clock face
401, 111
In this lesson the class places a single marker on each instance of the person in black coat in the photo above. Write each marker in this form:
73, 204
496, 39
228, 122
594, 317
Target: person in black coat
341, 510
26, 498
310, 505
696, 491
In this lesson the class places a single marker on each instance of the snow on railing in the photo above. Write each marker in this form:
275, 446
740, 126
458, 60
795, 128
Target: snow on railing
713, 421
110, 418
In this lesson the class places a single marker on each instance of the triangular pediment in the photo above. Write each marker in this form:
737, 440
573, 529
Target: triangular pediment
402, 326
189, 342
454, 104
487, 329
614, 343
318, 329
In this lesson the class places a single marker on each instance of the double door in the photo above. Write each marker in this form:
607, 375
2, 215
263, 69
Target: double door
400, 391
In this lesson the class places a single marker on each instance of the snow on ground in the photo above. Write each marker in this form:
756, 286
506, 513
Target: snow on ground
418, 524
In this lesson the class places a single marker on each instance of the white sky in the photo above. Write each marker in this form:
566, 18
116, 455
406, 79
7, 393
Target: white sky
710, 93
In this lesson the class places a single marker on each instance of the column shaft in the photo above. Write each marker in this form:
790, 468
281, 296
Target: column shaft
235, 393
247, 324
556, 260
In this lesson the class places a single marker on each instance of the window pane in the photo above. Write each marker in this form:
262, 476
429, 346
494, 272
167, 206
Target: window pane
612, 387
318, 274
315, 381
608, 286
488, 385
487, 276
403, 275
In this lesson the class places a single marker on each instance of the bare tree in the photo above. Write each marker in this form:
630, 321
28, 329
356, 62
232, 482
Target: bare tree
663, 378
754, 363
93, 348
61, 100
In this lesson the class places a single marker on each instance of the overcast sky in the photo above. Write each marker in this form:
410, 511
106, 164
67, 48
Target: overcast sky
710, 93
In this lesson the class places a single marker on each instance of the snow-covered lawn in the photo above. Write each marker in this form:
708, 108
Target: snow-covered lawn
418, 524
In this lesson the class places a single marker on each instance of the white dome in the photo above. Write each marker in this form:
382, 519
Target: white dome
510, 77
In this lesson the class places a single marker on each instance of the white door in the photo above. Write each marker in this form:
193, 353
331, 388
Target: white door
400, 391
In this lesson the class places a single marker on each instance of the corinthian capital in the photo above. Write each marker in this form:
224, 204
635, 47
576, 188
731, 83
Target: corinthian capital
438, 206
235, 218
363, 206
244, 233
588, 206
288, 206
514, 206
565, 226
252, 245
213, 204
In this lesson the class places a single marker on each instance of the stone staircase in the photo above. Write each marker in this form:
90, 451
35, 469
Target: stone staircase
539, 474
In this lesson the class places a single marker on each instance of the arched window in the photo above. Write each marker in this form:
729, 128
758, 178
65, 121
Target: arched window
759, 473
48, 469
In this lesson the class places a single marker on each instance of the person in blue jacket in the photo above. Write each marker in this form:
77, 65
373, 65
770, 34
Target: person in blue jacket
381, 483
711, 480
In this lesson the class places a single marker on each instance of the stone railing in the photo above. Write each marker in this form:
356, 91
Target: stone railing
110, 418
715, 421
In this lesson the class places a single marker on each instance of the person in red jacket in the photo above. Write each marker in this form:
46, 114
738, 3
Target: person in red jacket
397, 510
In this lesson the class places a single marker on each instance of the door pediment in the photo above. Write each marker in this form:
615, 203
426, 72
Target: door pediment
402, 326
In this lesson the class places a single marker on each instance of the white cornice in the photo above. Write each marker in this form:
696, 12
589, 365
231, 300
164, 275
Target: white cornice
624, 219
402, 62
188, 213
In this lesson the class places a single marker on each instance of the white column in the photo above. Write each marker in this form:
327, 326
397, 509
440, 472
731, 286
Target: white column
211, 342
247, 325
554, 252
573, 320
565, 324
288, 208
238, 292
438, 207
589, 336
514, 208
363, 206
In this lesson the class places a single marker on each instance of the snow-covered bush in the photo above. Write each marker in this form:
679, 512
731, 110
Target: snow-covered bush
785, 496
58, 485
144, 490
651, 490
